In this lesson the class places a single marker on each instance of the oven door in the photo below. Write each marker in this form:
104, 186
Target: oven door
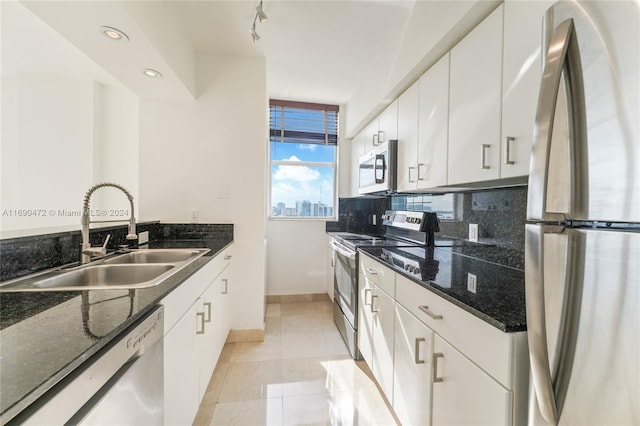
345, 281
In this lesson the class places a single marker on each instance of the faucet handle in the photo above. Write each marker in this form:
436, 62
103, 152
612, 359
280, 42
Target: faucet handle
98, 251
106, 241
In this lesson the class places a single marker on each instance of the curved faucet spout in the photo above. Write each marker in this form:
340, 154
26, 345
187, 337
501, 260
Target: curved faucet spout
87, 250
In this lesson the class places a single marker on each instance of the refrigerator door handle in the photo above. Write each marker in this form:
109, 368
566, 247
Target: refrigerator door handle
562, 59
536, 323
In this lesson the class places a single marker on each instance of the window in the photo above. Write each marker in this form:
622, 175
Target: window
303, 142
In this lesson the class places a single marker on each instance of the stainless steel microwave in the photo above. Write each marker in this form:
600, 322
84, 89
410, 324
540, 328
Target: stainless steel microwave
377, 169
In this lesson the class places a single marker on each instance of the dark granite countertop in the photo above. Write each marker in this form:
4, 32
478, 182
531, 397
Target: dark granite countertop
499, 297
45, 336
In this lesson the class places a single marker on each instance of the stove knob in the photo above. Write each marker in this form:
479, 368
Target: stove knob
418, 220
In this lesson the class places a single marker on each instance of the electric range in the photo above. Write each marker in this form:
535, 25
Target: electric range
402, 229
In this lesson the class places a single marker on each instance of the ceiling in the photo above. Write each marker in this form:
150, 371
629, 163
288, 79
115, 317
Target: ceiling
358, 53
315, 50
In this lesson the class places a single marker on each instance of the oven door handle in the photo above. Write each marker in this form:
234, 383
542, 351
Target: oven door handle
343, 250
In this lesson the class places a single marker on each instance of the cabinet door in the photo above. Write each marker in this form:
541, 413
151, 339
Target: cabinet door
475, 102
371, 135
522, 70
382, 328
222, 309
357, 150
433, 126
408, 138
331, 259
463, 394
365, 289
388, 123
181, 371
412, 369
205, 331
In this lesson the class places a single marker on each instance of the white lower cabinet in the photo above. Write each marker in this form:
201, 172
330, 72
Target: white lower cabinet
197, 322
412, 369
376, 321
181, 371
382, 330
436, 363
463, 394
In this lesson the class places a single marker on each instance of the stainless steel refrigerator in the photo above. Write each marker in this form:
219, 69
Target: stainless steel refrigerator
583, 219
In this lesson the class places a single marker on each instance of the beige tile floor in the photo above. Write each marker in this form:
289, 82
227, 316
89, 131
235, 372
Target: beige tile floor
301, 374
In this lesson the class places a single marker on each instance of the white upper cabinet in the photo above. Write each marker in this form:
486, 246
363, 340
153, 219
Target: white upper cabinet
423, 115
388, 123
357, 150
475, 103
383, 127
408, 138
522, 69
433, 129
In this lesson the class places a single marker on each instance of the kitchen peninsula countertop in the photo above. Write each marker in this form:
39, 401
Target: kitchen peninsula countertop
45, 336
500, 295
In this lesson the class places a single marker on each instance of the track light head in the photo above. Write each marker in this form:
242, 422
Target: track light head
254, 35
260, 12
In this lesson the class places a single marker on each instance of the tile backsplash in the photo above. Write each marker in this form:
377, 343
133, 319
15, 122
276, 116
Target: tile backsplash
26, 255
499, 213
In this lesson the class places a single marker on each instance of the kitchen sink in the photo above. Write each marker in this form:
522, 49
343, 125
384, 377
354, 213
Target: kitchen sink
155, 256
140, 268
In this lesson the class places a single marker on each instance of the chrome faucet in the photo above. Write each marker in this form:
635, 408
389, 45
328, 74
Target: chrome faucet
87, 251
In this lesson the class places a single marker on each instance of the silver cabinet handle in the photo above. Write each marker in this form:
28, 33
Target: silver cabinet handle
507, 150
426, 310
201, 316
227, 256
483, 156
434, 377
208, 316
380, 137
225, 286
373, 297
420, 165
365, 296
371, 271
411, 168
416, 352
563, 54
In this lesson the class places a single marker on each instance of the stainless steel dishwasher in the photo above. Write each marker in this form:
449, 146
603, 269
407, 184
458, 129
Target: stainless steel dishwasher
123, 384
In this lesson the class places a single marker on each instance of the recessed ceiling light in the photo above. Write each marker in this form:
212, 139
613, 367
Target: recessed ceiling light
114, 33
152, 73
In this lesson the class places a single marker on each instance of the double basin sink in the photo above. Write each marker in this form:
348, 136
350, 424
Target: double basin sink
136, 269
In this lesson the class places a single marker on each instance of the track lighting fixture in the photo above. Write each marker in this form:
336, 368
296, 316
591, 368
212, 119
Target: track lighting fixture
261, 16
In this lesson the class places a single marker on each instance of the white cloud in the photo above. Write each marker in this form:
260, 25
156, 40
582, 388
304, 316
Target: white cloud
296, 173
308, 146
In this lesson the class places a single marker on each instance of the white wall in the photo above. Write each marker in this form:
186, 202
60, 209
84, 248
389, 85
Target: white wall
47, 149
210, 155
66, 124
297, 257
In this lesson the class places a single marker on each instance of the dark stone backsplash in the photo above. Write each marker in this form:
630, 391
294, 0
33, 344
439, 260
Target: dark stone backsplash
27, 255
500, 214
356, 215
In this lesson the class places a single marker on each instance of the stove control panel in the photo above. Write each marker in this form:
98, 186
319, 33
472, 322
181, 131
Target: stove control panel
403, 219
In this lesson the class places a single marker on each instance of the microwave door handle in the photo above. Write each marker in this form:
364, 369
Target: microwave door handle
379, 165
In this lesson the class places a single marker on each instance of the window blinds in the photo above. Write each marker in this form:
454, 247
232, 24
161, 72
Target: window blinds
299, 122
